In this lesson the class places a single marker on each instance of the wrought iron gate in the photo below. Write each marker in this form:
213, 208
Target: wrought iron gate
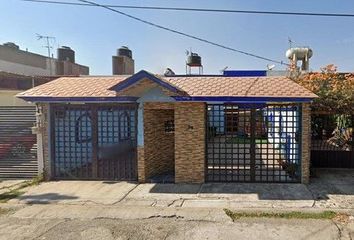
94, 142
253, 143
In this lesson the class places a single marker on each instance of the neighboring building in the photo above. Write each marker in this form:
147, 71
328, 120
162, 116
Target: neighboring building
14, 60
12, 84
18, 145
192, 129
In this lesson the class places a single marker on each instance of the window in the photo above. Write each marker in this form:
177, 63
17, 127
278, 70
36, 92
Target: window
83, 132
169, 126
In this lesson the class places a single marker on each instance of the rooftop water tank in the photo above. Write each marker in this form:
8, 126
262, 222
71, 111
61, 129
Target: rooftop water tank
194, 60
300, 54
66, 54
12, 45
124, 51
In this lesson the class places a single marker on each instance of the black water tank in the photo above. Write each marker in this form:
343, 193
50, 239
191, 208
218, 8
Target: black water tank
194, 60
66, 54
124, 51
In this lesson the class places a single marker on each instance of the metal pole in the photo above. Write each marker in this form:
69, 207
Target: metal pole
50, 59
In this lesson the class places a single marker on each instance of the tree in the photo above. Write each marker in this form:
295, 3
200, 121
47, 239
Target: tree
335, 90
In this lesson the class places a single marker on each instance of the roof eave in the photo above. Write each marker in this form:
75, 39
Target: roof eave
241, 99
77, 99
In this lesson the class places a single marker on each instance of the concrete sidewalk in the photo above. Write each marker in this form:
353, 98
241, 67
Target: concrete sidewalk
169, 195
330, 189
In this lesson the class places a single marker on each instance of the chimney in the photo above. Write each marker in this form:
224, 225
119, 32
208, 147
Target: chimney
123, 63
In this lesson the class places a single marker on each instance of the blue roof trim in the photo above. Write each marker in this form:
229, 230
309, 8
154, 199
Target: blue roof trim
245, 73
241, 99
79, 99
139, 76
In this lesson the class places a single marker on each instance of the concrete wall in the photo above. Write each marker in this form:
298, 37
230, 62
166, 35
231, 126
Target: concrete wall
8, 98
30, 64
122, 65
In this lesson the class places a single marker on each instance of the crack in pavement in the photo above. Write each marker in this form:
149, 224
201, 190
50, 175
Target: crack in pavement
120, 200
49, 229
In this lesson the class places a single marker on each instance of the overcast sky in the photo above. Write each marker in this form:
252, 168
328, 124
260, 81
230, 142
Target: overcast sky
96, 33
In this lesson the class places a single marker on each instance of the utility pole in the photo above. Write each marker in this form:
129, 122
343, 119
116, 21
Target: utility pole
48, 46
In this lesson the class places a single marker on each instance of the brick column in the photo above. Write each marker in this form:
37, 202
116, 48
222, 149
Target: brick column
189, 142
306, 143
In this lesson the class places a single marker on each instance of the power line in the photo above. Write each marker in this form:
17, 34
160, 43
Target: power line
182, 33
314, 14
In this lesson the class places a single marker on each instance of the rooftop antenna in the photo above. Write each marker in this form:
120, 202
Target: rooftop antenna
48, 47
290, 42
224, 69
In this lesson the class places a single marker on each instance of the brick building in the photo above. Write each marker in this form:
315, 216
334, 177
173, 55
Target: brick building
194, 129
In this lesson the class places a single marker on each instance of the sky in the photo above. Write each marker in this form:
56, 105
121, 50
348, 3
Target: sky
95, 33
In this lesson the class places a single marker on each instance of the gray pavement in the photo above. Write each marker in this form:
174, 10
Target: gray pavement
6, 185
328, 190
119, 210
167, 228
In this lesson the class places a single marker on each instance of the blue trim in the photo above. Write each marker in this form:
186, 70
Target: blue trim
79, 99
241, 99
139, 76
245, 73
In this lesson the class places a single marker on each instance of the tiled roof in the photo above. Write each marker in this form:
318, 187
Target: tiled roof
76, 87
205, 86
241, 86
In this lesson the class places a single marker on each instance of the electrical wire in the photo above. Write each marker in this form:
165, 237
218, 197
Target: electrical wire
184, 34
313, 14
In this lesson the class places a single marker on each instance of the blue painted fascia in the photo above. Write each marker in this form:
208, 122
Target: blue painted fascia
139, 76
79, 99
241, 99
245, 73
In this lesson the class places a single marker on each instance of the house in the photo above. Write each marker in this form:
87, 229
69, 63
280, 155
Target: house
193, 129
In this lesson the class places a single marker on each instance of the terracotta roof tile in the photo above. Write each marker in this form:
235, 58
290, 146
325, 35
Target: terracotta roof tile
194, 86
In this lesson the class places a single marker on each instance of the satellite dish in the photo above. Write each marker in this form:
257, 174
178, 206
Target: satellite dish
187, 52
270, 66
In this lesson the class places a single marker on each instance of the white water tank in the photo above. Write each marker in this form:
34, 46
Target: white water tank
300, 54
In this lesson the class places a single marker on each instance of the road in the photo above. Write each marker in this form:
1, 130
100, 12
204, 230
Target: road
151, 226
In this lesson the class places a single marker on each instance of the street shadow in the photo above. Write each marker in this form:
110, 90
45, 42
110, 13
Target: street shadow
327, 182
264, 191
44, 198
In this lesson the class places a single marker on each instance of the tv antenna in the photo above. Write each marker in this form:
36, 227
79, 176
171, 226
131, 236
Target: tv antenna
290, 42
48, 47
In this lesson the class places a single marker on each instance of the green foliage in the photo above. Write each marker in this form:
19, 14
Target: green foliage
335, 90
287, 215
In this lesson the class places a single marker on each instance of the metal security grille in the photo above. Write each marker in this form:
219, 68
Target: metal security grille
18, 149
253, 143
332, 144
94, 142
